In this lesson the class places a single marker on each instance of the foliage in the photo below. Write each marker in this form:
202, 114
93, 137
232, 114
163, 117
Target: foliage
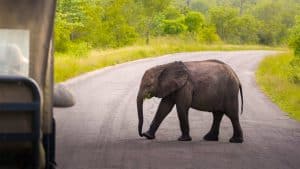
294, 40
276, 17
173, 27
194, 21
67, 22
294, 71
199, 6
208, 34
152, 8
246, 29
99, 23
172, 12
81, 25
62, 32
67, 66
222, 18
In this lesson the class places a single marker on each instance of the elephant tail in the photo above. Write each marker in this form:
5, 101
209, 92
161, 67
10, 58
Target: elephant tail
242, 99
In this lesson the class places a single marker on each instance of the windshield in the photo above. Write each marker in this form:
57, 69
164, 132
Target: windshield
14, 52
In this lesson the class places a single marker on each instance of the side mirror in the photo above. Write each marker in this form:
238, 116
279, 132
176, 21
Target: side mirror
62, 96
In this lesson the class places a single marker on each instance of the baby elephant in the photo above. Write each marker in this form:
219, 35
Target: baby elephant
209, 85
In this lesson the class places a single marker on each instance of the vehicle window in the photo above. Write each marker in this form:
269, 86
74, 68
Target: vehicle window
14, 52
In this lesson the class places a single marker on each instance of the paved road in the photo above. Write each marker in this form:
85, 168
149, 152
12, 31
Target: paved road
100, 132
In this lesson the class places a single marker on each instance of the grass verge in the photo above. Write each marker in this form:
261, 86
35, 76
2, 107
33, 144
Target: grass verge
272, 76
67, 66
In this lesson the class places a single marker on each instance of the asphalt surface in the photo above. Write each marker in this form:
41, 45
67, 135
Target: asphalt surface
100, 132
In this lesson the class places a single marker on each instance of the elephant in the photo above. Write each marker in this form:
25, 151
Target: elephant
209, 85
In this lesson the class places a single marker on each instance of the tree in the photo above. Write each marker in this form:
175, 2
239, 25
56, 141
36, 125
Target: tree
277, 17
199, 6
194, 21
242, 2
115, 20
294, 38
152, 8
223, 17
188, 2
68, 22
294, 42
247, 28
115, 23
174, 27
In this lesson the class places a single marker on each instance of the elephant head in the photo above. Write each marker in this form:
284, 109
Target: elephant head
160, 81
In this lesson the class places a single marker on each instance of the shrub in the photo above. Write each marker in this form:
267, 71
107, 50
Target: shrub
247, 28
208, 34
294, 74
194, 21
222, 18
174, 27
294, 40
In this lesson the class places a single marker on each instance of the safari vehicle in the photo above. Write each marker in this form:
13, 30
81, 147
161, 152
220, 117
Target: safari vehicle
27, 125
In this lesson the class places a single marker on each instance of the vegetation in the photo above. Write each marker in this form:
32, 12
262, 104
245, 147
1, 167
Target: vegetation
99, 58
82, 25
274, 80
90, 34
85, 26
279, 75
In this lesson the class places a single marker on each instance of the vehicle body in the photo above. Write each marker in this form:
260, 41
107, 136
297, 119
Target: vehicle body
27, 125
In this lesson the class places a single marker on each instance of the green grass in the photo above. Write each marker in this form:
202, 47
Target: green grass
272, 76
68, 66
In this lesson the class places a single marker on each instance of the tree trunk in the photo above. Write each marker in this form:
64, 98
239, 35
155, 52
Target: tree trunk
188, 2
147, 37
242, 6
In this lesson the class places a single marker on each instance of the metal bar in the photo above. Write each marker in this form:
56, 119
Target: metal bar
19, 106
17, 137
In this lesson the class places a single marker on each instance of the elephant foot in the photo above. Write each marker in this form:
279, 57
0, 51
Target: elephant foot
148, 135
211, 137
185, 138
236, 140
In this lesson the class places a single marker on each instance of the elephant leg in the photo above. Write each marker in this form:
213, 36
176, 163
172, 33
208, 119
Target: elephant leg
213, 134
237, 130
182, 113
163, 110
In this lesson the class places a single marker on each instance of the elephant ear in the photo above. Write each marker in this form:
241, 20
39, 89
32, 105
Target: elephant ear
172, 78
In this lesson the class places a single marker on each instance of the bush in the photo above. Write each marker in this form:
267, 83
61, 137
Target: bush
194, 21
172, 13
174, 27
223, 18
78, 49
208, 34
294, 40
247, 28
275, 21
157, 26
294, 74
123, 35
62, 33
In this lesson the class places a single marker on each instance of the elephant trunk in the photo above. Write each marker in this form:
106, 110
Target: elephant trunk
139, 103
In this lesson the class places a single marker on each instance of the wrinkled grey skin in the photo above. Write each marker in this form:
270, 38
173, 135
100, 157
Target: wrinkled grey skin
209, 85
